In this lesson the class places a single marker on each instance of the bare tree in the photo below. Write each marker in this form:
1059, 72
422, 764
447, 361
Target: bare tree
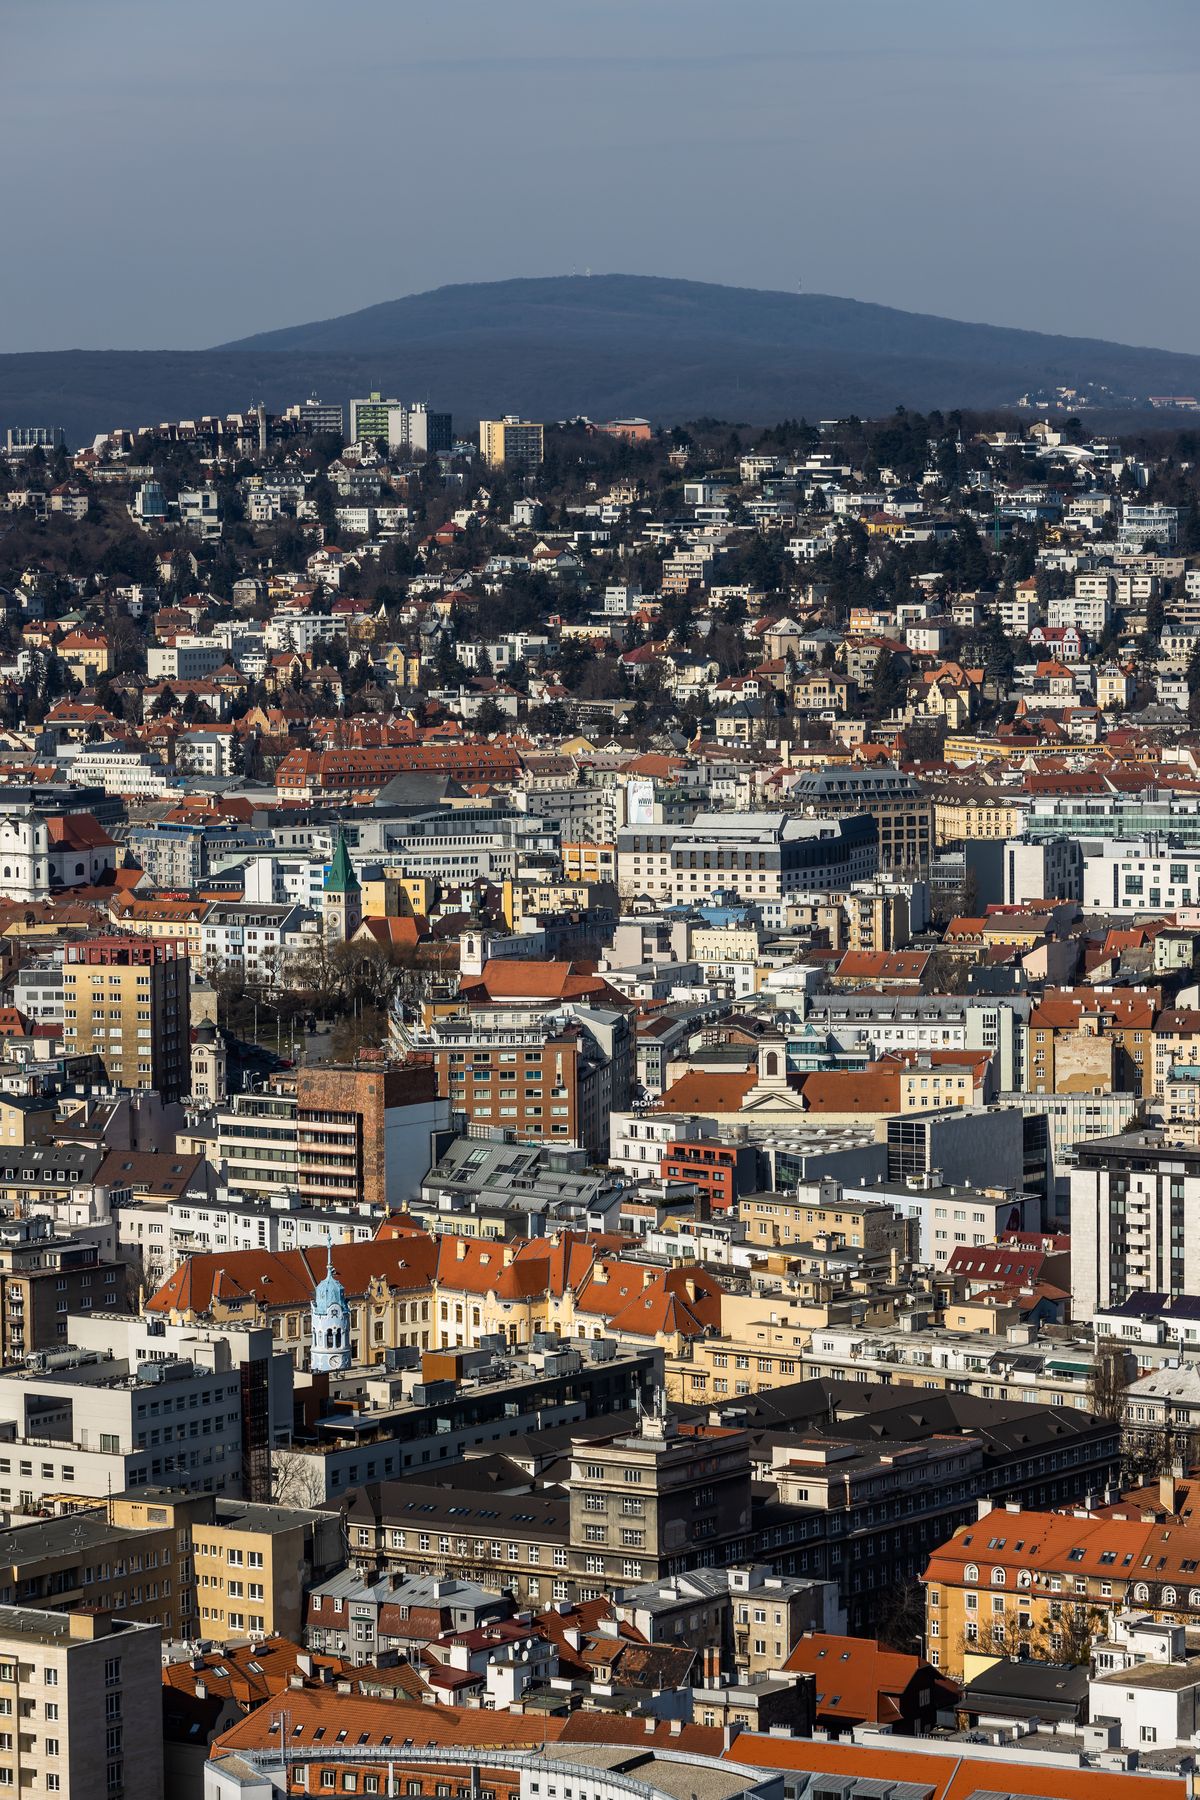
1148, 1451
1075, 1631
1109, 1382
297, 1478
900, 1618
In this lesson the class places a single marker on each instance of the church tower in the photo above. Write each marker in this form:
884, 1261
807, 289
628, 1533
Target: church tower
341, 900
209, 1064
330, 1322
772, 1061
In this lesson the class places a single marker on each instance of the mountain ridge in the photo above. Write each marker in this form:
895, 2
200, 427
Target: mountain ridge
345, 331
605, 345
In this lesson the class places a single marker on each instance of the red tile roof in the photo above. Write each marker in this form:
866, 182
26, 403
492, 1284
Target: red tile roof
369, 1721
702, 1091
514, 978
857, 1679
288, 1278
948, 1773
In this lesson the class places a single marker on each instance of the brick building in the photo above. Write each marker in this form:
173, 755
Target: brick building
361, 1129
553, 1077
720, 1171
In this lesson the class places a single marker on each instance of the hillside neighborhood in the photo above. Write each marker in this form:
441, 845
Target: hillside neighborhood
600, 1105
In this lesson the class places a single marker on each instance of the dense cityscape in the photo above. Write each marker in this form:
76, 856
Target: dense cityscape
599, 1107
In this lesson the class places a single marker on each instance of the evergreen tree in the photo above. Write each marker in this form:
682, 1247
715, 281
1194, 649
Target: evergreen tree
888, 685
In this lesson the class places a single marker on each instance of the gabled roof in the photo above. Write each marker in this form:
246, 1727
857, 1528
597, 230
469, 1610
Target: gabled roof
947, 1774
381, 1722
78, 831
857, 1679
702, 1091
682, 1302
288, 1278
1004, 1265
883, 965
516, 978
1063, 1008
248, 1674
869, 1091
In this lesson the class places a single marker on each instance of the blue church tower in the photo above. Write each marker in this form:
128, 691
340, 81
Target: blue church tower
330, 1322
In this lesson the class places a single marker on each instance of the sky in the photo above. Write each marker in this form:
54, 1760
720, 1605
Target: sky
180, 175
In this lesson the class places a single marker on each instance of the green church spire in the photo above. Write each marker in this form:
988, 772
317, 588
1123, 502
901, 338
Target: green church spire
339, 876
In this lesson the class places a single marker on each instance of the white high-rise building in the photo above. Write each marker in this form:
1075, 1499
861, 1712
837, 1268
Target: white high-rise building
1135, 1220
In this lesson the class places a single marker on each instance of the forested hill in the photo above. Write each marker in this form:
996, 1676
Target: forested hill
604, 345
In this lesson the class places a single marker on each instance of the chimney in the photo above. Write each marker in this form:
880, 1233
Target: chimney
89, 1622
1166, 1492
460, 1249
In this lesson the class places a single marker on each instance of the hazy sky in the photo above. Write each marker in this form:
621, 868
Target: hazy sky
180, 174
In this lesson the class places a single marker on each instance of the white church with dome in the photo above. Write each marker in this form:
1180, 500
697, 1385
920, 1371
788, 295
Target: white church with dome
330, 1323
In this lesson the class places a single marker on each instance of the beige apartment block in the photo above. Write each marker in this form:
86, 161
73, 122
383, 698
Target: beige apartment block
80, 1704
